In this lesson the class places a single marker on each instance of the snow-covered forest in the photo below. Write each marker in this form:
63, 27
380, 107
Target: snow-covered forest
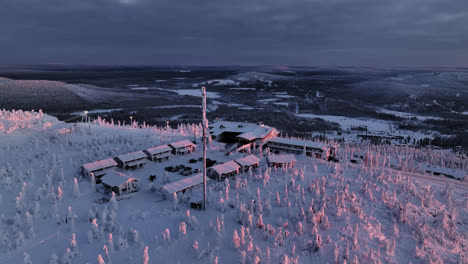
35, 94
381, 210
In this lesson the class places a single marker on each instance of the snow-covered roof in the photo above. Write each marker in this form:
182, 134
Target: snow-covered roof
249, 131
115, 178
158, 149
248, 160
459, 174
281, 158
183, 184
181, 144
298, 142
132, 156
100, 164
226, 167
251, 135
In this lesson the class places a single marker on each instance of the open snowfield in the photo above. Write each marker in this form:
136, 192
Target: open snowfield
348, 122
196, 92
382, 210
407, 115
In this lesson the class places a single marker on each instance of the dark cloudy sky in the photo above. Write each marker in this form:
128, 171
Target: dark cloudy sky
227, 32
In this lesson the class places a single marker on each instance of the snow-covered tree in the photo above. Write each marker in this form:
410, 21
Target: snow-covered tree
182, 230
73, 245
113, 202
236, 240
93, 183
53, 259
76, 188
175, 202
110, 242
133, 236
121, 243
67, 257
166, 237
100, 259
27, 259
106, 255
29, 228
145, 256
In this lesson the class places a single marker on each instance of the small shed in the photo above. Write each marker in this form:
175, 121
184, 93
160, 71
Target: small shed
158, 153
119, 183
182, 185
247, 162
222, 171
182, 147
131, 160
98, 168
281, 160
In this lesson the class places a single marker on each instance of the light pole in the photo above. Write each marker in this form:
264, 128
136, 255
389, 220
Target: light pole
131, 121
205, 125
85, 116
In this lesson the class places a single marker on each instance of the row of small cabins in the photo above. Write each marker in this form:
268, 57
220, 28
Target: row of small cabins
218, 172
120, 183
225, 170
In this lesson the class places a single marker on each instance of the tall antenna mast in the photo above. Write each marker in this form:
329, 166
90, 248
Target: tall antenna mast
205, 125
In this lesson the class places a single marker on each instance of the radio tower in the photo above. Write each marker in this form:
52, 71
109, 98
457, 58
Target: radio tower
205, 126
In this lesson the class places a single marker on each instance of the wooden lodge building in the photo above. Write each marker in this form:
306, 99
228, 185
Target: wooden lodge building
248, 162
182, 185
241, 133
98, 168
131, 160
158, 153
119, 183
281, 160
296, 146
182, 147
222, 171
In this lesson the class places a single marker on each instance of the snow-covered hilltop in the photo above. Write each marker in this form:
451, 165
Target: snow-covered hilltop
382, 209
11, 121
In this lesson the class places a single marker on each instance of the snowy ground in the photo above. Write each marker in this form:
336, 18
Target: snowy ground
407, 115
377, 126
97, 111
380, 210
348, 122
196, 92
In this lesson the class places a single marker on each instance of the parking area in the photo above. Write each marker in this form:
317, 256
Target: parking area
177, 167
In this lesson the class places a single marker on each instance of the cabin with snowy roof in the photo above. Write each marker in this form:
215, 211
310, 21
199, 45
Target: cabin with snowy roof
182, 147
119, 183
281, 160
179, 187
305, 147
241, 133
158, 153
98, 168
131, 160
248, 162
223, 171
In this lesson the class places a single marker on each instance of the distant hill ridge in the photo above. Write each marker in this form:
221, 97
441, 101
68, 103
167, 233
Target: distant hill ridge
37, 94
